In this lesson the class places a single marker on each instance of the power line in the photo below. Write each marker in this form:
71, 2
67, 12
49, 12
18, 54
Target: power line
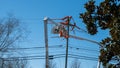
55, 46
54, 57
58, 52
78, 48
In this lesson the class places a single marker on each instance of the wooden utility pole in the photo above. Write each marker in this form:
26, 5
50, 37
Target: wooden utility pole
46, 42
67, 43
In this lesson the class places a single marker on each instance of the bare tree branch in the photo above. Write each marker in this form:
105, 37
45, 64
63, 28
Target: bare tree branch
75, 64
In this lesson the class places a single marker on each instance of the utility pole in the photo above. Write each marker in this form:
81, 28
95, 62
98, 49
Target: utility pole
46, 42
67, 43
99, 63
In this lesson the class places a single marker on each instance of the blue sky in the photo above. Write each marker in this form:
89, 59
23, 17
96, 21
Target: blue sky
32, 13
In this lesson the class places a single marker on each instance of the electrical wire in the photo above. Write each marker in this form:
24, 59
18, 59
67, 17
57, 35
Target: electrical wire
58, 50
54, 57
55, 46
78, 48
